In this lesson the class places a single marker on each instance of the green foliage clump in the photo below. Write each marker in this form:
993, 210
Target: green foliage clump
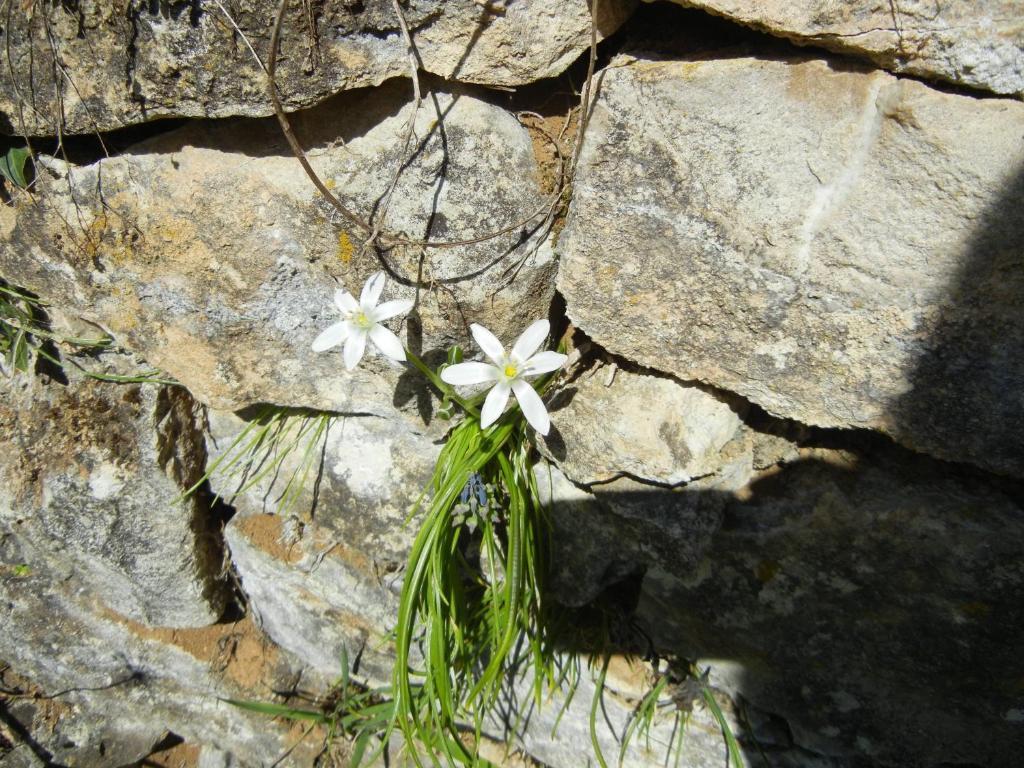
25, 335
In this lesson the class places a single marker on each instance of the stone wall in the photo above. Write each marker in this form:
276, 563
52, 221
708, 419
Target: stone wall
787, 451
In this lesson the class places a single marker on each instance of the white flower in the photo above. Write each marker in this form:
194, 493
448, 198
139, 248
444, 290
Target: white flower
362, 320
507, 372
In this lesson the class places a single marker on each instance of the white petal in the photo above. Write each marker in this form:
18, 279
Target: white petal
346, 302
488, 343
495, 403
371, 292
355, 345
470, 373
532, 405
530, 340
544, 362
392, 308
332, 336
387, 343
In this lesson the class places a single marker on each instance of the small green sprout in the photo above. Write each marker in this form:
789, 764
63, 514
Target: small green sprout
12, 166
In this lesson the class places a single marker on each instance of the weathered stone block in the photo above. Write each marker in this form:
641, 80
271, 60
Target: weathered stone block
979, 43
210, 252
91, 475
839, 246
872, 602
123, 64
610, 422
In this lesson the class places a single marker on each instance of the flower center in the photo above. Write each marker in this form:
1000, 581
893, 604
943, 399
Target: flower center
510, 371
360, 319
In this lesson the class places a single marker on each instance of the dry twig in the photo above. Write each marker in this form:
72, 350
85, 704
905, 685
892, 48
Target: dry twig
382, 238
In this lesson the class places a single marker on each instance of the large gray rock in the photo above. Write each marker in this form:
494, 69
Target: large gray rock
629, 527
871, 601
321, 572
96, 66
979, 43
91, 475
610, 423
118, 687
837, 246
208, 250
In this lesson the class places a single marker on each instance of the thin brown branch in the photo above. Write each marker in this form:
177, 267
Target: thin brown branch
410, 128
586, 107
286, 127
59, 64
384, 239
242, 35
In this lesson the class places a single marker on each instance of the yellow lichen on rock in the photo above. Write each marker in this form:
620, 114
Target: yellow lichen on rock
346, 249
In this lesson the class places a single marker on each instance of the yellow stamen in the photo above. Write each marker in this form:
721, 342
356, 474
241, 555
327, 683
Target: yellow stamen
361, 320
510, 371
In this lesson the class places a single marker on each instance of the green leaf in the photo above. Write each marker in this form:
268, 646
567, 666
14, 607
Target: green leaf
18, 356
344, 672
733, 747
12, 166
359, 748
278, 710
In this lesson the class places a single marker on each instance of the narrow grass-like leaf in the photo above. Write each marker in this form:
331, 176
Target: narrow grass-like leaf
279, 710
732, 746
598, 696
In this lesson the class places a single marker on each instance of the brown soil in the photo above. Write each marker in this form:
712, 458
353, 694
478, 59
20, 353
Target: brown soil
264, 531
239, 650
181, 755
544, 134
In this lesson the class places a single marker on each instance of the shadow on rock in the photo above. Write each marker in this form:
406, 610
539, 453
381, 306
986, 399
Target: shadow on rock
966, 389
870, 601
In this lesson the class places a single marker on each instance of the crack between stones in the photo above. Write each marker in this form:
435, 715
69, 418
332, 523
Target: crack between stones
756, 417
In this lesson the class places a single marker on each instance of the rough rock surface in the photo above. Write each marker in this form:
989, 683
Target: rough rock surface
118, 687
323, 571
210, 252
90, 478
613, 422
94, 65
873, 601
621, 528
979, 43
838, 246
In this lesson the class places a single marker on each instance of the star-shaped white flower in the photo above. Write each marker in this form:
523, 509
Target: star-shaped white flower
507, 372
362, 320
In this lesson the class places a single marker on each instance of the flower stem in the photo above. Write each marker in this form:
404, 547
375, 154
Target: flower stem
443, 388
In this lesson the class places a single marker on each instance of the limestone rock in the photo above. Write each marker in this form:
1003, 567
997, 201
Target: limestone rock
316, 597
620, 529
124, 65
90, 478
837, 246
122, 686
613, 422
970, 42
323, 572
872, 602
209, 251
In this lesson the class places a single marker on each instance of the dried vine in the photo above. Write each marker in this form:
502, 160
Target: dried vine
375, 233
